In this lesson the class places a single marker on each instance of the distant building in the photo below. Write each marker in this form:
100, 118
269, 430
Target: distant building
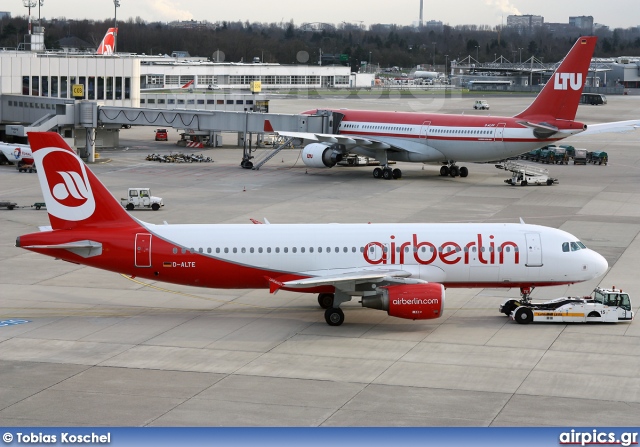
434, 24
5, 15
524, 23
583, 22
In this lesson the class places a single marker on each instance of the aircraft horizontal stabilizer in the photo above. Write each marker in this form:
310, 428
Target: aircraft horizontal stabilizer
613, 127
86, 249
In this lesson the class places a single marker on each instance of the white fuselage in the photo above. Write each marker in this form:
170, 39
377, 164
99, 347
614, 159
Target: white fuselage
462, 255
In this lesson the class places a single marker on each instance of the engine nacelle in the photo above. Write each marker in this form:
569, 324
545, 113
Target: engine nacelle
318, 155
410, 301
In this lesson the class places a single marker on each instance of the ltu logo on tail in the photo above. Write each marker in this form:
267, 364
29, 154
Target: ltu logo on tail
562, 81
66, 187
17, 152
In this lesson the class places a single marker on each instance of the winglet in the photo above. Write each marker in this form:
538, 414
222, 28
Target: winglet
267, 126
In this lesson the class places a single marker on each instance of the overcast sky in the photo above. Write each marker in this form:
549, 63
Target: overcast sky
617, 13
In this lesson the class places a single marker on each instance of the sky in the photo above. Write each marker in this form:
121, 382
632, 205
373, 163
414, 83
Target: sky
617, 14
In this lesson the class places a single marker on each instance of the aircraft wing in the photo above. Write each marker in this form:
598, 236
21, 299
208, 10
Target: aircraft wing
613, 127
348, 141
346, 280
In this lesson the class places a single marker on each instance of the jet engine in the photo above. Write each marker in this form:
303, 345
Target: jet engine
410, 301
318, 155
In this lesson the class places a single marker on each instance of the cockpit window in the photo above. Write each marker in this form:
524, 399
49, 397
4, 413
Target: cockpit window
572, 246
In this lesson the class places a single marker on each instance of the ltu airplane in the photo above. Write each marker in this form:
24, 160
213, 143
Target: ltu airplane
400, 268
447, 139
16, 153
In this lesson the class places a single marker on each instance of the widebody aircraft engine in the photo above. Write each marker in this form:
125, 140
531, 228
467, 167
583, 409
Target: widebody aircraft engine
410, 301
318, 155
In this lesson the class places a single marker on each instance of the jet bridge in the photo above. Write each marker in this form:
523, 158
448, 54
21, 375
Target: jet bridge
53, 113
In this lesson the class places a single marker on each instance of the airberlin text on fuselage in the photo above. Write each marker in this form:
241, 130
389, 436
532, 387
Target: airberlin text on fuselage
449, 253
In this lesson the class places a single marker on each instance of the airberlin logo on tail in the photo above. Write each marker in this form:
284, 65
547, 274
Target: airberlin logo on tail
564, 81
65, 185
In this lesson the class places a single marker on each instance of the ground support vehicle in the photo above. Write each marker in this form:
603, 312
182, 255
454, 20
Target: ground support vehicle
141, 198
481, 104
24, 167
598, 157
39, 205
524, 174
580, 157
7, 204
533, 155
554, 155
602, 306
161, 134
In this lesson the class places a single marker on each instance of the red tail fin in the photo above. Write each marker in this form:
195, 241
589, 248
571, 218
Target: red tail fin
559, 99
75, 198
188, 84
108, 42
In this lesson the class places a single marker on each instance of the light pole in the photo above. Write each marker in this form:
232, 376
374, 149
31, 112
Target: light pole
520, 54
370, 62
29, 4
477, 51
116, 5
446, 59
434, 54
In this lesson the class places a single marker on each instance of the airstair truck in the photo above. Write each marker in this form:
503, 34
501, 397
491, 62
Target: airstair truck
524, 174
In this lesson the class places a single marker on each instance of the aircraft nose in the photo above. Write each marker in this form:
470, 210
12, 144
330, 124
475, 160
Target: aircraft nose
600, 264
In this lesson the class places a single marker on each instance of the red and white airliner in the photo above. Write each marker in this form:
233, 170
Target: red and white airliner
400, 268
447, 139
16, 153
108, 42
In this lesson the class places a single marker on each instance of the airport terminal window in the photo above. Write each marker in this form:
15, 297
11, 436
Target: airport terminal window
100, 92
191, 101
239, 101
161, 101
283, 80
200, 101
91, 88
54, 86
118, 87
171, 101
180, 101
172, 79
127, 88
151, 101
35, 85
219, 101
143, 101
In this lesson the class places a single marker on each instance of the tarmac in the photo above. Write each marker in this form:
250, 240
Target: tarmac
98, 349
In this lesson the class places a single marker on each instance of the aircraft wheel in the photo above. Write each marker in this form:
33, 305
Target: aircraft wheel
397, 174
508, 307
155, 207
130, 206
524, 315
454, 171
524, 183
549, 182
387, 174
464, 171
325, 300
377, 173
334, 316
444, 171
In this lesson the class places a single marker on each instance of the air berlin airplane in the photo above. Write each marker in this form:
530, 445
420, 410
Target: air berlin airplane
108, 42
447, 139
400, 268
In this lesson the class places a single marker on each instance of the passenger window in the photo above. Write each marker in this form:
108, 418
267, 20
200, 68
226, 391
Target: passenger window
175, 251
268, 249
294, 249
226, 250
259, 249
286, 249
277, 249
208, 249
217, 249
251, 250
244, 250
235, 250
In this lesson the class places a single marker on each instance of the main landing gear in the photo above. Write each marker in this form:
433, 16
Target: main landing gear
332, 315
387, 173
453, 170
